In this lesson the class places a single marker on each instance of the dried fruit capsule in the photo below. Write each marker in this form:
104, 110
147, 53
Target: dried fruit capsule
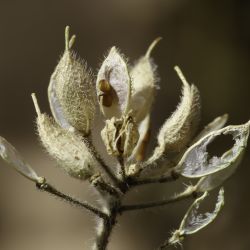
69, 149
113, 85
71, 91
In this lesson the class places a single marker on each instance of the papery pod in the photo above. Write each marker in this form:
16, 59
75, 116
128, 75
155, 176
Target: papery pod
216, 124
13, 158
113, 85
69, 149
196, 162
178, 130
120, 136
212, 181
144, 134
143, 77
71, 91
194, 221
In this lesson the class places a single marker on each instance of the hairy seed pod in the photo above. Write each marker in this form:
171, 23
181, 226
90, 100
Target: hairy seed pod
71, 90
69, 149
143, 76
113, 85
179, 129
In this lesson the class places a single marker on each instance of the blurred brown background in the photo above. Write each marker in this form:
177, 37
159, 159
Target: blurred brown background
208, 39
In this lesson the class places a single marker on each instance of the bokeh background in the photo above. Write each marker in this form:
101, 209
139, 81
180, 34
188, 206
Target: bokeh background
208, 39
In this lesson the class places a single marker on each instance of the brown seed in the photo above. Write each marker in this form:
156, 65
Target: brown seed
106, 99
104, 86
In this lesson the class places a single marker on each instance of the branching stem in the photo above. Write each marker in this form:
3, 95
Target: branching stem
169, 177
122, 167
158, 203
104, 187
104, 166
50, 189
106, 227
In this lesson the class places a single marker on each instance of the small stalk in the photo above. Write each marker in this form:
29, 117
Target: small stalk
183, 196
105, 228
104, 166
169, 177
103, 187
44, 186
106, 225
122, 167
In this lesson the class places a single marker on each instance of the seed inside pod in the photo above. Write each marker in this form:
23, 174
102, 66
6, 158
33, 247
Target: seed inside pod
106, 93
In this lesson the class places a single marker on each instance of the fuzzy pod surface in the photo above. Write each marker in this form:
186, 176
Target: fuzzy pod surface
71, 85
69, 149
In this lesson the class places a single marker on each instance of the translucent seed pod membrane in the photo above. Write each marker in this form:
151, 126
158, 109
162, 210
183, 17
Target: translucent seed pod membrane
196, 161
194, 221
113, 85
14, 159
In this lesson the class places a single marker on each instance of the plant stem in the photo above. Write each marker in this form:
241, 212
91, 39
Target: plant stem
50, 189
180, 197
105, 228
105, 167
171, 176
104, 187
122, 167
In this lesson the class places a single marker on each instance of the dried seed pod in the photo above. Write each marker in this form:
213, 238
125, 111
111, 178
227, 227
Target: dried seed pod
179, 129
196, 162
144, 135
13, 158
68, 148
212, 181
71, 91
194, 221
113, 85
120, 136
143, 76
214, 125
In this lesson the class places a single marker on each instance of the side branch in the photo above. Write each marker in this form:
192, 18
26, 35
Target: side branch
44, 186
183, 196
104, 187
106, 168
169, 177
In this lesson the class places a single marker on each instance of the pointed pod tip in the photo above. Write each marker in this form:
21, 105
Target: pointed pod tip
225, 116
113, 49
37, 108
72, 41
67, 27
152, 46
68, 41
181, 75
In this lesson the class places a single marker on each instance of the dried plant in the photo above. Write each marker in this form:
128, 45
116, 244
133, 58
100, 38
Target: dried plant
123, 98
